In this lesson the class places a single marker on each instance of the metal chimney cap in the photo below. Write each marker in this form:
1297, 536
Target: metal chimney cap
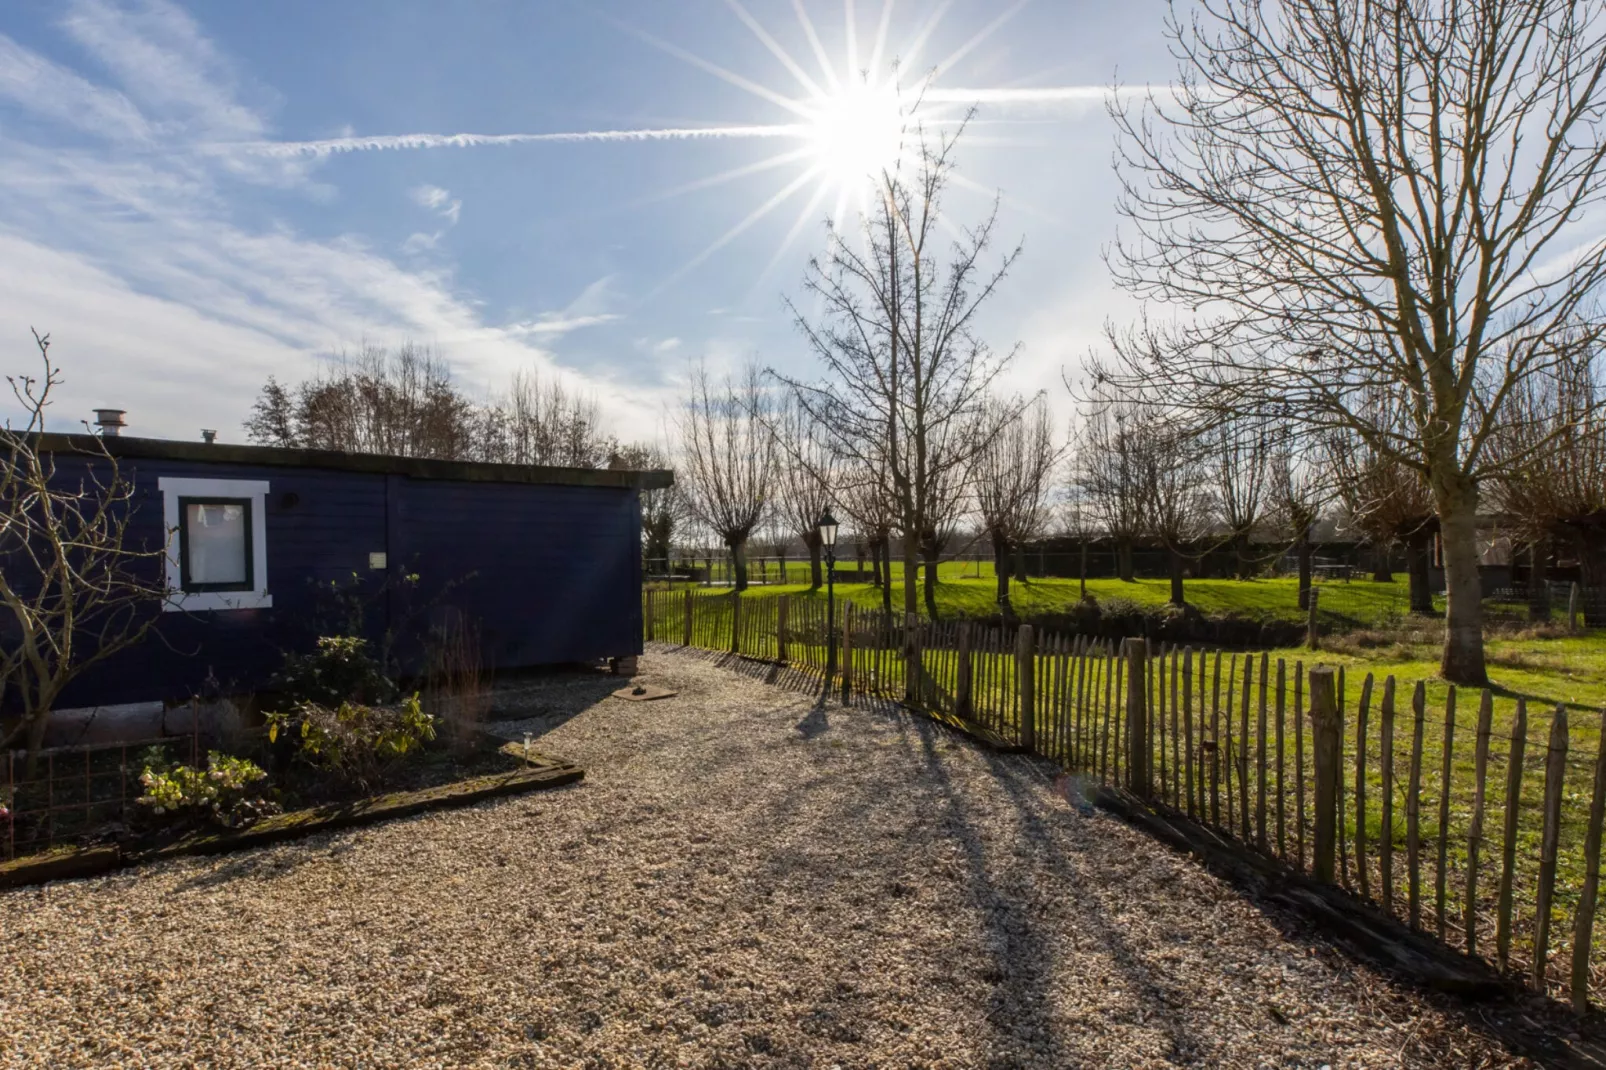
208, 436
109, 420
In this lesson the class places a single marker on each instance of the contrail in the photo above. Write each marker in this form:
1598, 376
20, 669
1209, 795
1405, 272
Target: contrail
1064, 94
379, 143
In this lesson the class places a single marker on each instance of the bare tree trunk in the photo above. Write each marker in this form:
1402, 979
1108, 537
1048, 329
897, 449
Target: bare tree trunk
1123, 559
1177, 596
816, 574
1240, 550
1084, 571
1382, 568
1001, 567
886, 575
1416, 567
739, 564
1539, 579
932, 554
1305, 552
1463, 619
911, 573
1019, 560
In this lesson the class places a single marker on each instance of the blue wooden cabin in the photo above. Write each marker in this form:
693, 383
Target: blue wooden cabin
272, 547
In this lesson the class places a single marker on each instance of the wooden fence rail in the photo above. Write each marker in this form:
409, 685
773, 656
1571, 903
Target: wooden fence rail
1392, 803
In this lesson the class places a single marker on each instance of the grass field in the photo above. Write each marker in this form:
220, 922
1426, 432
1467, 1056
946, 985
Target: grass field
961, 593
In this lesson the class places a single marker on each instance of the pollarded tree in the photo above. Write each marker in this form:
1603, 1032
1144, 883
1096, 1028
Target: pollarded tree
866, 500
729, 455
1347, 195
1297, 489
1013, 478
1552, 445
1109, 477
1173, 478
809, 471
73, 589
1240, 455
1389, 502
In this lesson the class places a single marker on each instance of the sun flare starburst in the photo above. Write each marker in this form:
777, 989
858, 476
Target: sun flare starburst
856, 131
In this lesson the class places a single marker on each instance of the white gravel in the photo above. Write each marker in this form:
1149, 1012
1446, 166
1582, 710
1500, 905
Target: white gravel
741, 880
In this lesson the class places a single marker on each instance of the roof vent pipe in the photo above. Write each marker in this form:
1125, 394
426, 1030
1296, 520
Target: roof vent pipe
208, 436
110, 421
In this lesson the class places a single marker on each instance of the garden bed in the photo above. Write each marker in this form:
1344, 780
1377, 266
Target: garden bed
535, 773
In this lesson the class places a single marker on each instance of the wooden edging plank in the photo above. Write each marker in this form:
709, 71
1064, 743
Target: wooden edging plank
93, 861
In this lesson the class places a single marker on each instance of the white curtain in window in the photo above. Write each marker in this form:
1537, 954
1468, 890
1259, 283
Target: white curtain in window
217, 536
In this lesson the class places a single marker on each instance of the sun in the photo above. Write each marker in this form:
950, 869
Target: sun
856, 131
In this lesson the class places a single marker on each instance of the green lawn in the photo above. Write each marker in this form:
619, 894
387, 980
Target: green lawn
1360, 603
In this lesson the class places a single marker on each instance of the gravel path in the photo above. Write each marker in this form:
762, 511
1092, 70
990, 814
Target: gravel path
741, 880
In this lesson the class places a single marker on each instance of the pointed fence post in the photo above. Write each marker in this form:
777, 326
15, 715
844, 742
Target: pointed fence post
1312, 629
688, 618
782, 611
962, 681
1327, 732
847, 651
1026, 685
736, 622
911, 659
1137, 726
649, 615
1584, 920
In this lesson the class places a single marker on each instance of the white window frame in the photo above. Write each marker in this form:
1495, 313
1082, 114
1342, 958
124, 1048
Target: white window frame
180, 601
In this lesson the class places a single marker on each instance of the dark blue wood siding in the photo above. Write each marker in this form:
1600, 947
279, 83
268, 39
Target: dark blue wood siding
550, 574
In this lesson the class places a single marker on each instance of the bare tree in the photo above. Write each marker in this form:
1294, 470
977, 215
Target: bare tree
1241, 456
1552, 444
1348, 195
1110, 477
404, 404
868, 503
905, 373
1389, 502
664, 510
539, 421
74, 591
1172, 480
1013, 478
1297, 489
808, 467
730, 458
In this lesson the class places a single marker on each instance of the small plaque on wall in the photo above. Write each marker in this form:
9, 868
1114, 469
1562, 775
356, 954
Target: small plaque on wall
377, 561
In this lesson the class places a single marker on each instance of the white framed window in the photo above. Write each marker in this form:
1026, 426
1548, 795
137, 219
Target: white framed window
217, 547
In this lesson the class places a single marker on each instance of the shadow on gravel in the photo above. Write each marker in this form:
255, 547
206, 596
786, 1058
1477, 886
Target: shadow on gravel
541, 702
1531, 1028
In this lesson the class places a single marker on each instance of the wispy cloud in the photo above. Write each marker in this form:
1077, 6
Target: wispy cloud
159, 295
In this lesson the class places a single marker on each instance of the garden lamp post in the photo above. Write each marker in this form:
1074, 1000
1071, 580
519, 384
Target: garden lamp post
828, 526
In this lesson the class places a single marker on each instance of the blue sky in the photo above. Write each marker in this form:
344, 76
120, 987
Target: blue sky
195, 196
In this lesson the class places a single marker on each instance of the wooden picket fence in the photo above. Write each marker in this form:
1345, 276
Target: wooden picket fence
1481, 827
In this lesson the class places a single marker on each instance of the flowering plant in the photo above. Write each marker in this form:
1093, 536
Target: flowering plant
218, 793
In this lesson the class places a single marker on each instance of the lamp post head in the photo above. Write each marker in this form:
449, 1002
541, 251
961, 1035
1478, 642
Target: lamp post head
827, 527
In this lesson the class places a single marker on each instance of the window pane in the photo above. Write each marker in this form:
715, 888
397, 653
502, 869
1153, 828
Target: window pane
216, 543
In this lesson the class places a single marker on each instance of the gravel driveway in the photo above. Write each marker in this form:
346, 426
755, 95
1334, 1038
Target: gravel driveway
742, 880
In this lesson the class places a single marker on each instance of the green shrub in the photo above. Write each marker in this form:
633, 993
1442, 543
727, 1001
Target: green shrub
341, 670
353, 740
221, 793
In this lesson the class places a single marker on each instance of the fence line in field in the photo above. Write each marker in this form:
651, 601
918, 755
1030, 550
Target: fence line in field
1482, 828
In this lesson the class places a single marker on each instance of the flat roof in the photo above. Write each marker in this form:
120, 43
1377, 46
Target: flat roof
168, 449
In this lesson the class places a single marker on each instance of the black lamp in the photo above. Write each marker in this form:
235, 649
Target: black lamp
828, 527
